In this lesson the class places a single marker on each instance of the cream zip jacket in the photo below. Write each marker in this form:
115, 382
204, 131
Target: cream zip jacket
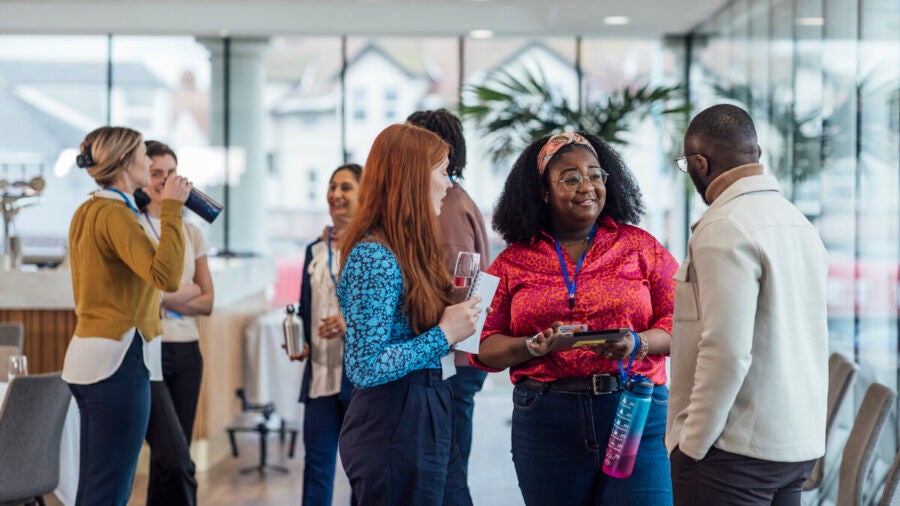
749, 352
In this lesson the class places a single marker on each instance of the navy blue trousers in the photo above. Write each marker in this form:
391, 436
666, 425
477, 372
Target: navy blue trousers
559, 442
322, 422
397, 444
466, 382
114, 415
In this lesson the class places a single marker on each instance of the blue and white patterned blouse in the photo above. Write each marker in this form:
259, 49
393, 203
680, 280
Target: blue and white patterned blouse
380, 346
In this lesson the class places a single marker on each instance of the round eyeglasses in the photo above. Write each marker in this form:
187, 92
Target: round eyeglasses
572, 182
681, 161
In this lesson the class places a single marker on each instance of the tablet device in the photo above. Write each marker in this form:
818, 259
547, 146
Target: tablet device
568, 340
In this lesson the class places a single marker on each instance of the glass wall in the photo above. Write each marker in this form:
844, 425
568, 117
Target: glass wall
291, 109
53, 90
823, 84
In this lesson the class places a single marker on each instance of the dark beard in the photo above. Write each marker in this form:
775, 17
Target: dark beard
699, 186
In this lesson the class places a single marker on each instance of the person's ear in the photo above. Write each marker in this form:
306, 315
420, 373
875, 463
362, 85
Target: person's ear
758, 151
698, 165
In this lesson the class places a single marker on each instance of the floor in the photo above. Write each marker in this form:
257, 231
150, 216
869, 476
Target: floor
492, 479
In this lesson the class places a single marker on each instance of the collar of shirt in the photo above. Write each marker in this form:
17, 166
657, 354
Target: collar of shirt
603, 222
743, 186
729, 177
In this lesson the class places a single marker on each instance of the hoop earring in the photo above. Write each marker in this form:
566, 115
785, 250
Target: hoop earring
547, 198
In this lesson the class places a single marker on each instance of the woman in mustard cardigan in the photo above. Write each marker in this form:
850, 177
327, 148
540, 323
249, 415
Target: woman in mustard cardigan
117, 274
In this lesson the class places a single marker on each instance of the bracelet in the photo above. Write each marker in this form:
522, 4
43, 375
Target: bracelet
644, 347
528, 341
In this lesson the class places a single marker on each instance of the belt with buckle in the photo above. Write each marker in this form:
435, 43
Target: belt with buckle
598, 384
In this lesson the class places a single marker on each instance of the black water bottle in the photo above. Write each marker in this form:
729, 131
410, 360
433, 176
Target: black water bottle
203, 205
198, 202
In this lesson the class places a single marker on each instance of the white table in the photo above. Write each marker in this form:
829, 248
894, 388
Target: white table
69, 446
269, 375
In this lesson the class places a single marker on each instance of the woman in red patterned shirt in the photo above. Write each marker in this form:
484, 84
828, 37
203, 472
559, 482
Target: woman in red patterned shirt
573, 258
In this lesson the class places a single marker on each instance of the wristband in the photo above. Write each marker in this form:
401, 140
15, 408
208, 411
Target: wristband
644, 347
528, 341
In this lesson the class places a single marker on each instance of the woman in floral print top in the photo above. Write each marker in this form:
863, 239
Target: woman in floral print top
396, 443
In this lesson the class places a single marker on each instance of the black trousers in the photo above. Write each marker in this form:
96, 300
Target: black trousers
730, 479
173, 407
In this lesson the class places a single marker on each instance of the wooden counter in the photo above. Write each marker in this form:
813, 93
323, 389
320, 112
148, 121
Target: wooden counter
43, 302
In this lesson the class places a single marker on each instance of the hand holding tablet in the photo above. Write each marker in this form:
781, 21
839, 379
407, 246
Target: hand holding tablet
574, 339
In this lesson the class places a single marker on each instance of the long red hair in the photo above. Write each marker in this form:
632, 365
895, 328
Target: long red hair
395, 206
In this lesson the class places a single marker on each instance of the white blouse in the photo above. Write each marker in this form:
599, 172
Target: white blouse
93, 359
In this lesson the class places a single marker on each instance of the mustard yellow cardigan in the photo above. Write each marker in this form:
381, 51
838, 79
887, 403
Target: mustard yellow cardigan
117, 270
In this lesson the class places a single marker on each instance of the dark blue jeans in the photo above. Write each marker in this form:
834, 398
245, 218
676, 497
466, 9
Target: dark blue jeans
397, 447
466, 382
322, 422
559, 441
114, 415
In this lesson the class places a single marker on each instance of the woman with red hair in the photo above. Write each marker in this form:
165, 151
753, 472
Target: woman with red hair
396, 443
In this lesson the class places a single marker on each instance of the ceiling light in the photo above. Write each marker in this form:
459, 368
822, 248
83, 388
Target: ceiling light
811, 21
481, 34
617, 20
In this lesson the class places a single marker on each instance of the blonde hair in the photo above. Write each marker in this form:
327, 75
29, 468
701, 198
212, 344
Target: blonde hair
107, 151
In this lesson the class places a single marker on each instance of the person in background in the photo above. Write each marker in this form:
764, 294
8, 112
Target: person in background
326, 389
173, 401
573, 258
396, 442
462, 228
117, 273
750, 343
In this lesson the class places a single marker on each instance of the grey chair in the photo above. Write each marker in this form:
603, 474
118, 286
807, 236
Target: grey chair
841, 373
12, 334
31, 423
11, 338
859, 452
891, 494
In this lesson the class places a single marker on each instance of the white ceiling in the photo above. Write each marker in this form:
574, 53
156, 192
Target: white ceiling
354, 17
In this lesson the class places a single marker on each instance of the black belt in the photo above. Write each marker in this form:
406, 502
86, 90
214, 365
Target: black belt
598, 384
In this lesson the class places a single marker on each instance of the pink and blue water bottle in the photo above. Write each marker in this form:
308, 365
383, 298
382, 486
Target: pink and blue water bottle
631, 416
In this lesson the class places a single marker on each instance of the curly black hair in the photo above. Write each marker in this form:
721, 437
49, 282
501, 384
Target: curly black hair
449, 128
521, 211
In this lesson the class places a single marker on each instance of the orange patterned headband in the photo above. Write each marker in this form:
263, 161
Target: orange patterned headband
555, 143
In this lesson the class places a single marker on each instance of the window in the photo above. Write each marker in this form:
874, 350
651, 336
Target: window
390, 105
54, 93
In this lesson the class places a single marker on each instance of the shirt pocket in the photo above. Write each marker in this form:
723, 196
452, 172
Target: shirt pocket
686, 305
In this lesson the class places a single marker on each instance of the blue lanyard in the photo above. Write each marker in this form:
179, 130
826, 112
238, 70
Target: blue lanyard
128, 202
151, 226
330, 271
570, 285
624, 373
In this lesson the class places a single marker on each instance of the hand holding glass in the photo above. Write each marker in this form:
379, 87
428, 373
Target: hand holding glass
467, 264
18, 366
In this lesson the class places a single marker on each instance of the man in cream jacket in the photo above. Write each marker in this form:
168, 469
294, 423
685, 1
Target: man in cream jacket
749, 363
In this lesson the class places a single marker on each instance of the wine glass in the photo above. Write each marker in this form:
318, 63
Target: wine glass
467, 264
18, 366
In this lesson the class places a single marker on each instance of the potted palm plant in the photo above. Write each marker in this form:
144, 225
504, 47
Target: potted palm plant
512, 109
